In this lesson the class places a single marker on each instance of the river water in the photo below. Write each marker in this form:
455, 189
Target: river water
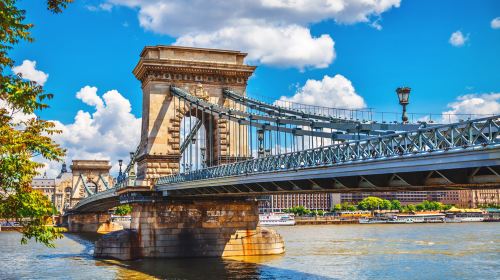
417, 251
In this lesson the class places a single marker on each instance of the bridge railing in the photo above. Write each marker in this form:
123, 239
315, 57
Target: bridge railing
458, 136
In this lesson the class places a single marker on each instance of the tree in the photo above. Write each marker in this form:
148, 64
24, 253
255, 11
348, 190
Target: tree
409, 208
123, 210
385, 205
298, 210
396, 205
24, 138
337, 208
371, 203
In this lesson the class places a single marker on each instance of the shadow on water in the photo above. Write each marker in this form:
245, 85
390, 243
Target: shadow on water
206, 268
187, 268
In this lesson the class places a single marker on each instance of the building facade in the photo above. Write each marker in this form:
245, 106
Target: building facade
281, 202
326, 201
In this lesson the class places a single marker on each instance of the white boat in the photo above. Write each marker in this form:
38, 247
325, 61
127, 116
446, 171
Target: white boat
470, 217
277, 219
371, 221
466, 215
421, 218
452, 220
401, 221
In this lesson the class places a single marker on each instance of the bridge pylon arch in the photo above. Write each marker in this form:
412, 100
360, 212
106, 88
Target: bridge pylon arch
203, 73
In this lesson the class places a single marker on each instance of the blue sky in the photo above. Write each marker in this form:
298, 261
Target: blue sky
376, 49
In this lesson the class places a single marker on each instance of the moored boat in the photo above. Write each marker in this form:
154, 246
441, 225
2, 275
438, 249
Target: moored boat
277, 219
371, 221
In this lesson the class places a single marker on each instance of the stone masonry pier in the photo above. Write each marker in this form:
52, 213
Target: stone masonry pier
192, 228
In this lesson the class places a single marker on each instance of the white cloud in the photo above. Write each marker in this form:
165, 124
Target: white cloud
334, 92
101, 7
472, 106
89, 96
28, 71
297, 48
495, 23
457, 39
249, 25
110, 132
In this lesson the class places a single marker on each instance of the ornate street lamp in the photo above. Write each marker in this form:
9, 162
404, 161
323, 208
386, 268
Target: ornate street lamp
120, 174
203, 160
260, 138
404, 96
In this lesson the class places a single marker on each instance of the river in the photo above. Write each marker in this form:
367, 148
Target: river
417, 251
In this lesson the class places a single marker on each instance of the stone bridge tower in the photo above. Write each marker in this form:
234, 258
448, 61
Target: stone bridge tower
202, 72
88, 176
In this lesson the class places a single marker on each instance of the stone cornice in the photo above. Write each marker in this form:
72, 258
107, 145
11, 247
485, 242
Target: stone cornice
160, 66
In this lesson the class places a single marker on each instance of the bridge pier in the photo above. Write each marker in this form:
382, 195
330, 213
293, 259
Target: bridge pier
192, 228
92, 222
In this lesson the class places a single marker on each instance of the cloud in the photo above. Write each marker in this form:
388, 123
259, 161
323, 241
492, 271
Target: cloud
297, 47
333, 92
28, 71
101, 7
457, 39
250, 25
109, 132
88, 95
495, 23
472, 106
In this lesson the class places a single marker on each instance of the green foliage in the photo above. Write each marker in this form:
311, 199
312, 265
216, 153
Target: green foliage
123, 210
345, 206
410, 208
396, 205
374, 203
427, 206
298, 210
22, 139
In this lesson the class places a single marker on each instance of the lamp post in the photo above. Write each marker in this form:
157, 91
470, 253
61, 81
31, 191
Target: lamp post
404, 96
120, 174
203, 161
260, 138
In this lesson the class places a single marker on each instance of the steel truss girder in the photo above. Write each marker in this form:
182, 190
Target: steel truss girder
472, 135
356, 183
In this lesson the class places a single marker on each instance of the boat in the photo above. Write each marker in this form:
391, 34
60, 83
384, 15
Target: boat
277, 219
401, 221
464, 215
468, 217
452, 220
371, 221
421, 218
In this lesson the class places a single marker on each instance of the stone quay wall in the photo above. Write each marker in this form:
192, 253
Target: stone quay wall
192, 228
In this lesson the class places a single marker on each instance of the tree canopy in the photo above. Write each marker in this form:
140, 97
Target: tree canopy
24, 138
123, 210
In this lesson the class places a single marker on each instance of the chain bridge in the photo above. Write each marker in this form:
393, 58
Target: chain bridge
207, 149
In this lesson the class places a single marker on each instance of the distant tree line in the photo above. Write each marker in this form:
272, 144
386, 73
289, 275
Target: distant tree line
303, 211
375, 203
